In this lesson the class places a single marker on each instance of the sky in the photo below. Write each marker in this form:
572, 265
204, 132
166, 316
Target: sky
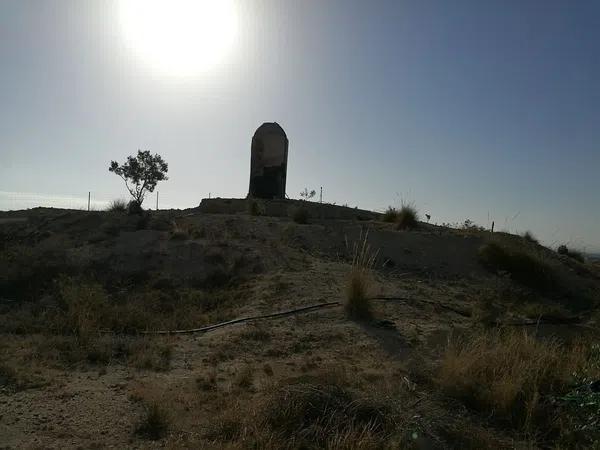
466, 109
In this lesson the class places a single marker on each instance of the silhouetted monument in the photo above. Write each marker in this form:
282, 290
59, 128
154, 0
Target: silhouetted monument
268, 162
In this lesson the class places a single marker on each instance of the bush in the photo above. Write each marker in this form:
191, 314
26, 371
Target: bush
134, 207
300, 215
506, 374
85, 307
564, 250
522, 266
117, 206
407, 218
529, 237
469, 225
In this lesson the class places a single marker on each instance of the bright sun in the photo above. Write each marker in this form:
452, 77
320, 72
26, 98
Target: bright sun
179, 37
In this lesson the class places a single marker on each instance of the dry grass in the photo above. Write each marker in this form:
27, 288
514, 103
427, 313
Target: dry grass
359, 282
70, 351
82, 308
155, 423
507, 374
523, 265
328, 416
15, 378
179, 231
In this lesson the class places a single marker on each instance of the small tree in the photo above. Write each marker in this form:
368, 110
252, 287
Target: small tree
141, 173
306, 195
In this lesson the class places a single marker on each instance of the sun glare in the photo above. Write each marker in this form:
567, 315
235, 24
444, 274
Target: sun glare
179, 37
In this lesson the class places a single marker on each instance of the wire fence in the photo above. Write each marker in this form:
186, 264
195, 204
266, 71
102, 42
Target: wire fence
93, 201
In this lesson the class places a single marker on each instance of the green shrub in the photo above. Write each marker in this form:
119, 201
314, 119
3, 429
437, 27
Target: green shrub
521, 265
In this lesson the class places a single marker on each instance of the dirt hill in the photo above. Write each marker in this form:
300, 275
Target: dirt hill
472, 339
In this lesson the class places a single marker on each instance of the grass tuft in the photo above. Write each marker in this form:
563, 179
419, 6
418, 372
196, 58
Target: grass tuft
358, 305
317, 416
300, 215
405, 218
408, 218
155, 423
390, 215
255, 208
179, 232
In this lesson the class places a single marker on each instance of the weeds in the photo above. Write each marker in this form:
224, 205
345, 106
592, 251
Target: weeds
17, 379
139, 352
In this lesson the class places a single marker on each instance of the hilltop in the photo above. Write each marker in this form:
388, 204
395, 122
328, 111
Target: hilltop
473, 340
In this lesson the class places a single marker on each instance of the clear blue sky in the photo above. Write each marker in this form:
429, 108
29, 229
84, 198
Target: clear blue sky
469, 109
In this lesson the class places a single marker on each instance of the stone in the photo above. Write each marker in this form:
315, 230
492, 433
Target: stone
268, 162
